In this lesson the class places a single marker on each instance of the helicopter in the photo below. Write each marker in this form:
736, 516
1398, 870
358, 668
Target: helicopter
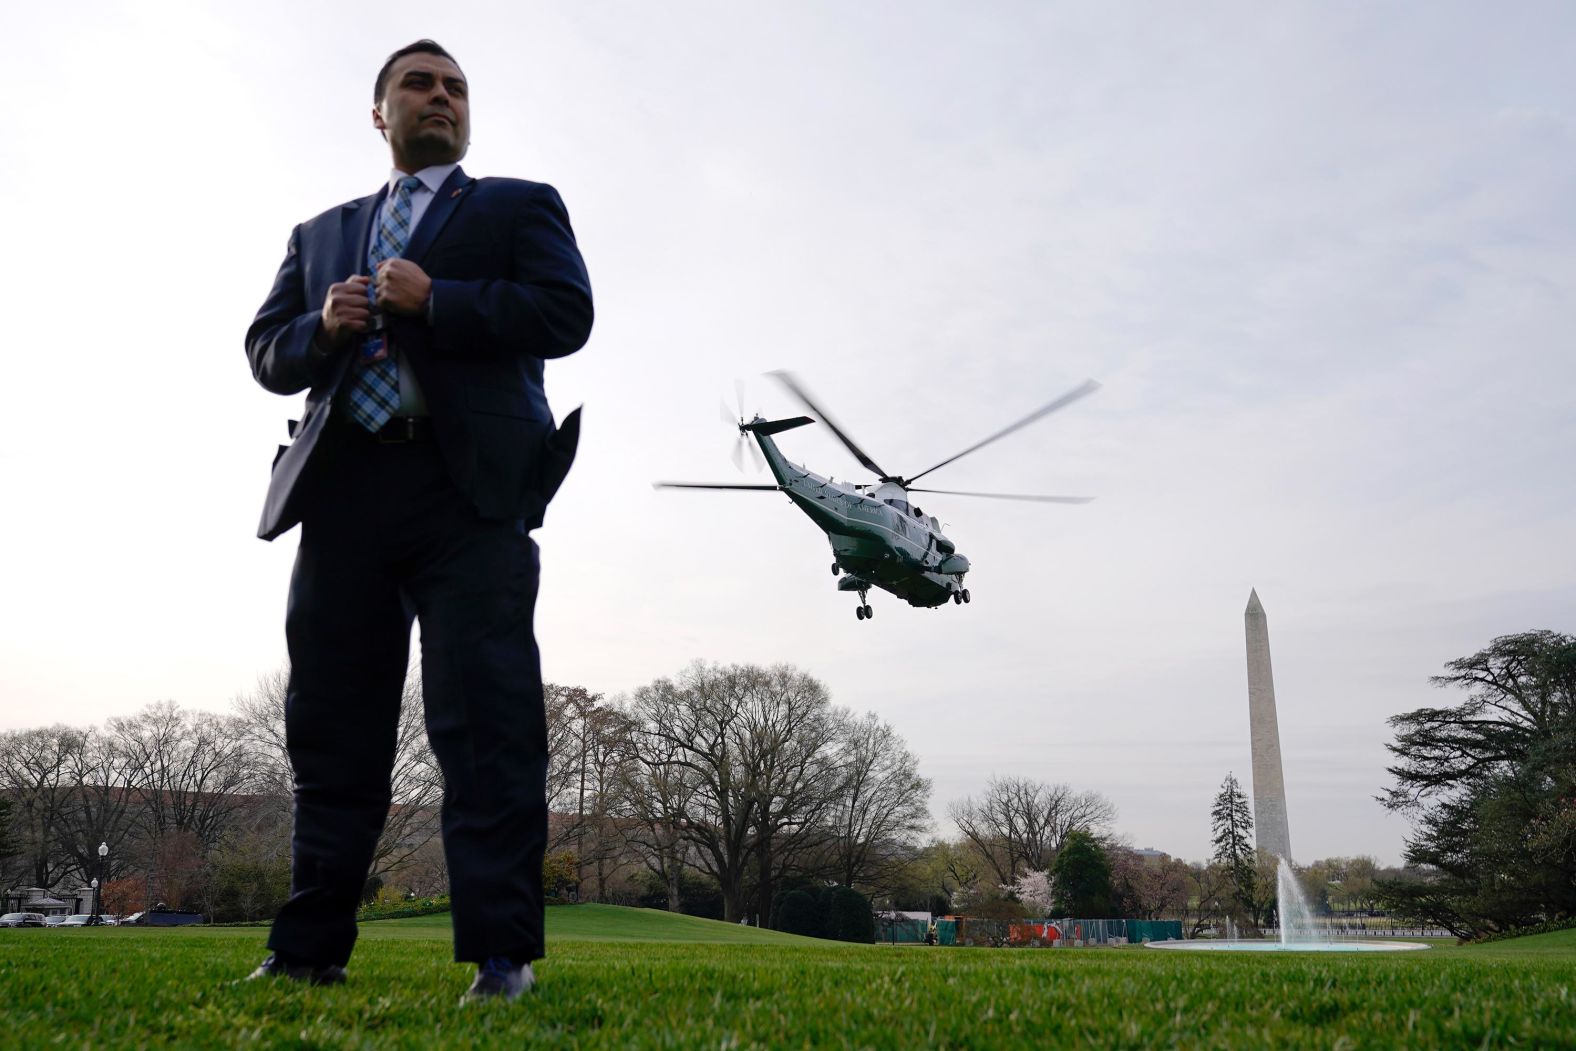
880, 538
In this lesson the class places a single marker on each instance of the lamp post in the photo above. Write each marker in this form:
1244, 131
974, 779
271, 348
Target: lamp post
103, 852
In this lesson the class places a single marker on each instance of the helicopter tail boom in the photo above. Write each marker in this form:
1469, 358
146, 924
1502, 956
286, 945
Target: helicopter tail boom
775, 426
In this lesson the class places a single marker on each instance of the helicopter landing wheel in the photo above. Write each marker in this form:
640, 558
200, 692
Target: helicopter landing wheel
836, 569
859, 612
869, 613
966, 596
957, 598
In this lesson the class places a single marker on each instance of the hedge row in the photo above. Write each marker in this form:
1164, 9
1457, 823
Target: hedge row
1546, 927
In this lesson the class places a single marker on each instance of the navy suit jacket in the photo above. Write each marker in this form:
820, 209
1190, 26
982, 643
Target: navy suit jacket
509, 290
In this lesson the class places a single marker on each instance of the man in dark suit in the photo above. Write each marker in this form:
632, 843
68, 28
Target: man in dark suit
418, 320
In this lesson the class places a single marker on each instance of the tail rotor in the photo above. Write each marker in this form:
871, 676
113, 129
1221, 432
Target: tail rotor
737, 423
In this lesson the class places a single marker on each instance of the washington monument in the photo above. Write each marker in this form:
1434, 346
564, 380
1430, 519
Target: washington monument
1269, 791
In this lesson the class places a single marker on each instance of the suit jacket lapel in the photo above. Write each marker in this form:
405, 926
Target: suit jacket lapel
444, 202
355, 222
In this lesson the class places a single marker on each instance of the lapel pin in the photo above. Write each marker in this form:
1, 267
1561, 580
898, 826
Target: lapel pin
456, 193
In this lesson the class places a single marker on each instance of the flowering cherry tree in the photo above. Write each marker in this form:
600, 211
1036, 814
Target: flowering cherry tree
1033, 891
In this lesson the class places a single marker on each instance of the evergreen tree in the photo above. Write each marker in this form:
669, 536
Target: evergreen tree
1490, 787
1081, 878
1231, 822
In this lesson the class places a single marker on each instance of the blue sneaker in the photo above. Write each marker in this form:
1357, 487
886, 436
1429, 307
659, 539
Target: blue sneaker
500, 978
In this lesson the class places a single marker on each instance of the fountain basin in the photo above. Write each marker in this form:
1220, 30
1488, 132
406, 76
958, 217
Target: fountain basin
1275, 946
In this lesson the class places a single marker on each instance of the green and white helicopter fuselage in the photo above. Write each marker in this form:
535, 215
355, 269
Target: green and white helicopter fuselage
879, 539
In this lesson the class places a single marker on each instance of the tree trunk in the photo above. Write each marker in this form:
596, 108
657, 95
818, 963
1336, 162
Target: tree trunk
674, 903
732, 906
764, 902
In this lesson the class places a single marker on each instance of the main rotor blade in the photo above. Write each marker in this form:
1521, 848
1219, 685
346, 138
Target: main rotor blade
1011, 496
789, 380
712, 485
1083, 390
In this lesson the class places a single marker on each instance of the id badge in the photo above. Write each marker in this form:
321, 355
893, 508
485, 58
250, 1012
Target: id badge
376, 346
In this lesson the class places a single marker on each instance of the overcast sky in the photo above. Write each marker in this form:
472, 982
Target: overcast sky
1320, 256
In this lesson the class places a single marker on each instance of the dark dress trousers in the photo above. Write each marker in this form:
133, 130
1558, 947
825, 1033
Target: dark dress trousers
434, 529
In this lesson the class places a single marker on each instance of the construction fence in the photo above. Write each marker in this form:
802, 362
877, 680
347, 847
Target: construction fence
1053, 933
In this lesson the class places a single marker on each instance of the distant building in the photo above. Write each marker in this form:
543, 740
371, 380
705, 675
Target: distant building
56, 902
1152, 857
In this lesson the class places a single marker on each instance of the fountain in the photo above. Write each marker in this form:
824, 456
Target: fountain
1296, 919
1298, 933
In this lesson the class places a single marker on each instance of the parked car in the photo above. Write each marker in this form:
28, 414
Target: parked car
54, 921
22, 919
85, 919
131, 920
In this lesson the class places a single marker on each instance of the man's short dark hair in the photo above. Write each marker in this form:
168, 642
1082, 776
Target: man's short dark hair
423, 46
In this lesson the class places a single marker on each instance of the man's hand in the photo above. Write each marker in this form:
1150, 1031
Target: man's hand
346, 310
403, 287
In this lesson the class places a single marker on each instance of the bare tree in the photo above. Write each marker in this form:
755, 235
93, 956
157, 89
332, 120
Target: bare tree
192, 768
102, 808
565, 707
416, 781
588, 745
36, 768
693, 725
658, 790
789, 746
605, 811
262, 721
748, 752
1147, 888
881, 802
1022, 823
1210, 891
9, 847
417, 786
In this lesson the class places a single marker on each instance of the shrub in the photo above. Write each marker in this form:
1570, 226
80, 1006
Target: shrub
798, 913
418, 907
846, 916
1547, 927
247, 890
561, 875
698, 895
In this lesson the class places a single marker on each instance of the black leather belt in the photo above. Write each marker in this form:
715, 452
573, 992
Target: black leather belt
398, 431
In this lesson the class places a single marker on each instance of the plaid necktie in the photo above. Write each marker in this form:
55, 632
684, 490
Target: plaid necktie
375, 393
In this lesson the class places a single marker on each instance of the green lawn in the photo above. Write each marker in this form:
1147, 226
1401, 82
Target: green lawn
606, 923
629, 978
